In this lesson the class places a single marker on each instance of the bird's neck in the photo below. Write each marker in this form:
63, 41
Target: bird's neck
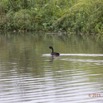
52, 50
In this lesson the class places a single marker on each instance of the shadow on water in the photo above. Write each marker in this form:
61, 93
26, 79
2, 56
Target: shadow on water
29, 74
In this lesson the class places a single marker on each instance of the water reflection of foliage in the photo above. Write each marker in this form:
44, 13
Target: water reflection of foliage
23, 52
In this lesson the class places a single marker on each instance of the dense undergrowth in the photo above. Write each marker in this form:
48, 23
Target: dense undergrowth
81, 17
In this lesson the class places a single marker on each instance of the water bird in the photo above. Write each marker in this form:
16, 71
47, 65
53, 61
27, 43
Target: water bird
53, 53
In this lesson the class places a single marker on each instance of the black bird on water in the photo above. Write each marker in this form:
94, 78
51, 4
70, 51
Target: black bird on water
53, 53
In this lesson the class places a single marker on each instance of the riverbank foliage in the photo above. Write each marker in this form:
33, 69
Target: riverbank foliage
73, 16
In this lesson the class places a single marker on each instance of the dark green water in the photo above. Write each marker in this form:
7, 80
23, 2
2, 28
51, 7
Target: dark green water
28, 74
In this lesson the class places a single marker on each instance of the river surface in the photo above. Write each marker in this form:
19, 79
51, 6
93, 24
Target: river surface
28, 73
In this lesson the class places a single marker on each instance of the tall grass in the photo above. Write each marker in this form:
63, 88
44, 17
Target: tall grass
82, 17
86, 16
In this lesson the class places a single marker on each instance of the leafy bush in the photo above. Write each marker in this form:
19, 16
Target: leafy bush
22, 19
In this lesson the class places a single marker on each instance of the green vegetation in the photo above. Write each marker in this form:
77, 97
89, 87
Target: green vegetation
82, 17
